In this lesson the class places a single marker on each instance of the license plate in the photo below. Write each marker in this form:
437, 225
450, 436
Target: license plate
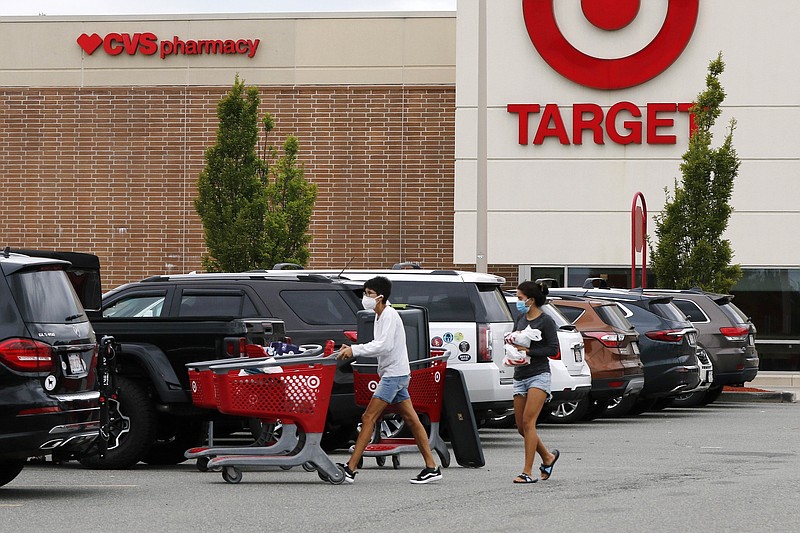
578, 352
76, 364
635, 347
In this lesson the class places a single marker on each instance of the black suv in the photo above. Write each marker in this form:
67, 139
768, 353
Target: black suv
724, 332
667, 342
166, 313
48, 353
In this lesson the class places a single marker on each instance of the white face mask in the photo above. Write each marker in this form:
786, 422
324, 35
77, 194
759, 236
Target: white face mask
368, 302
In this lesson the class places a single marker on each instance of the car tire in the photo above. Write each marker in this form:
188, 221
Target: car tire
621, 406
568, 412
712, 395
597, 409
642, 405
693, 399
175, 435
337, 438
10, 470
133, 428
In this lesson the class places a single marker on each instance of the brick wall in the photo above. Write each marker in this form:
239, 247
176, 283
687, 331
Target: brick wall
113, 171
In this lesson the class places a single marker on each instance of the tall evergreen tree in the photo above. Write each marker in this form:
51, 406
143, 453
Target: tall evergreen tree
245, 227
690, 251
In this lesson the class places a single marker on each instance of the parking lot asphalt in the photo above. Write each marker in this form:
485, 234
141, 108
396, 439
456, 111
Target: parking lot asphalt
775, 387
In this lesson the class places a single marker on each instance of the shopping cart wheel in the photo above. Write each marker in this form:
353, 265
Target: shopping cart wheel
380, 460
202, 463
308, 467
231, 475
323, 476
338, 477
285, 467
395, 462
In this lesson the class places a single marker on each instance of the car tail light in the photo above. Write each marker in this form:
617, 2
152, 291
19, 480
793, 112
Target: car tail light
735, 333
667, 335
255, 350
39, 411
484, 343
236, 347
27, 355
352, 335
609, 340
557, 356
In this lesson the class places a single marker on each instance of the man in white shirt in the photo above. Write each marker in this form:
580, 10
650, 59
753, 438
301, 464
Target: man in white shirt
389, 346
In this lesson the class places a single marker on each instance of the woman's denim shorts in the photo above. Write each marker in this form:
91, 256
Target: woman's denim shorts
393, 389
539, 381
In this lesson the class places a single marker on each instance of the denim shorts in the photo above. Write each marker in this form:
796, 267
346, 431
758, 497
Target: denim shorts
539, 381
393, 389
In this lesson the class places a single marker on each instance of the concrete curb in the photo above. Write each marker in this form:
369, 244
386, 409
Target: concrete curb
756, 397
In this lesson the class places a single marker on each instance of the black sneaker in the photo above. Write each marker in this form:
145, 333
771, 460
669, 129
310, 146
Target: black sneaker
428, 475
349, 475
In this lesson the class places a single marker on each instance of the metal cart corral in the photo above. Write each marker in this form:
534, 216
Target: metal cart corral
426, 389
294, 390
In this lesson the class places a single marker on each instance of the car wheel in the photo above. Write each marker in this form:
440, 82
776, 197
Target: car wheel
621, 406
712, 395
503, 420
392, 426
175, 435
340, 437
643, 405
10, 470
597, 409
133, 427
693, 399
568, 412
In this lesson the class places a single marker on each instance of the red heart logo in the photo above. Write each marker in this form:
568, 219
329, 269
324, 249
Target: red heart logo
89, 43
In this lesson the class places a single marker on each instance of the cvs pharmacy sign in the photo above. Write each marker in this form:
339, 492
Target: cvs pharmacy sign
148, 44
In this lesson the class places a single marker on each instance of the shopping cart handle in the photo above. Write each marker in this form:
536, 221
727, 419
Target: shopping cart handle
284, 361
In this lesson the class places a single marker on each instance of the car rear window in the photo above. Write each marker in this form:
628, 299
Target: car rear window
691, 310
668, 310
446, 302
319, 307
734, 313
493, 306
556, 314
613, 316
572, 313
45, 296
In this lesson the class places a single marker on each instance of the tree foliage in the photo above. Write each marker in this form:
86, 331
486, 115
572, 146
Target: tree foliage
255, 209
690, 251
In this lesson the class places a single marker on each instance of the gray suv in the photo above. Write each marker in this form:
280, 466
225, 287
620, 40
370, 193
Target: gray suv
725, 333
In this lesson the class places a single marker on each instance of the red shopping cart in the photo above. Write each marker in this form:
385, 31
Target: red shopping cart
278, 437
294, 390
426, 389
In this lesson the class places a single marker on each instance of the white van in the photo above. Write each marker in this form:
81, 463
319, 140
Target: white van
467, 315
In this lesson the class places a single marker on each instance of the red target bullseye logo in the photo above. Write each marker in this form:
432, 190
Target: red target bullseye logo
610, 15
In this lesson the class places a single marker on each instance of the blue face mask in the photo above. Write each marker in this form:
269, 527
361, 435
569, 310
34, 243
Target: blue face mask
521, 307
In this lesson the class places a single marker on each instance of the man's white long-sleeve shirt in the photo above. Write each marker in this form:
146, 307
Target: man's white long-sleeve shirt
389, 344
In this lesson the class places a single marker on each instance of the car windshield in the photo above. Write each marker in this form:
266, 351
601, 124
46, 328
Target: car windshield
46, 296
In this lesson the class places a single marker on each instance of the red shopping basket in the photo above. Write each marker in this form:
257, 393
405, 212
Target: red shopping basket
201, 383
426, 387
299, 394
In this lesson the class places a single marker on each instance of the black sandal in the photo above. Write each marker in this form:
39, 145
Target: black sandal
547, 470
525, 478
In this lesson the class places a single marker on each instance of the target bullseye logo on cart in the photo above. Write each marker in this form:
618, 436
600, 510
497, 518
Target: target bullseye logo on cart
372, 385
313, 382
437, 377
612, 16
